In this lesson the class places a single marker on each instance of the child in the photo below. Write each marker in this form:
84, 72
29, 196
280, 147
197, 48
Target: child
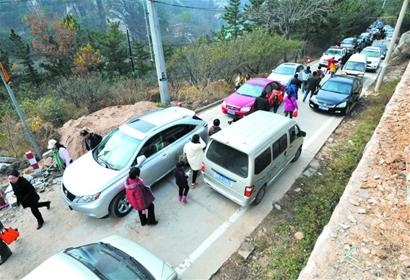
181, 181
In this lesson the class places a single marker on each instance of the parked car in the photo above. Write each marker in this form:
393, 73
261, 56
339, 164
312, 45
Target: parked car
373, 55
114, 257
363, 41
284, 73
367, 36
94, 183
350, 44
242, 160
356, 65
382, 46
338, 95
337, 52
241, 101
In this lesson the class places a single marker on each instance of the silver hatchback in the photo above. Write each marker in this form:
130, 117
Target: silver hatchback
94, 183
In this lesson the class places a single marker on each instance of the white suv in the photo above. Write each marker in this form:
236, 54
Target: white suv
373, 55
336, 52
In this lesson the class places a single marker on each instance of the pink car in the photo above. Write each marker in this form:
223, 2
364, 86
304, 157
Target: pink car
241, 102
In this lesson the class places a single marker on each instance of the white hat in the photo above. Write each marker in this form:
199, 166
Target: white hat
51, 144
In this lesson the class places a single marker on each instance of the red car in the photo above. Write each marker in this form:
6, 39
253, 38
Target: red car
241, 101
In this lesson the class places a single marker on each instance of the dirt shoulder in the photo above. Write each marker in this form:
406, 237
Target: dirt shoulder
357, 248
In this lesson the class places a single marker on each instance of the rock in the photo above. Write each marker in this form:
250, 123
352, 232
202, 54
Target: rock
297, 190
402, 51
376, 177
299, 235
309, 172
361, 211
315, 164
277, 206
350, 142
354, 201
344, 226
246, 249
352, 219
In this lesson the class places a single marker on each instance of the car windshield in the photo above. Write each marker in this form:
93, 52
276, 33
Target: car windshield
338, 87
370, 53
108, 262
250, 90
228, 158
284, 70
347, 41
332, 52
355, 66
116, 150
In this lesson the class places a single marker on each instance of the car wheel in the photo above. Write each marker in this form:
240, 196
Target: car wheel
119, 206
297, 155
260, 195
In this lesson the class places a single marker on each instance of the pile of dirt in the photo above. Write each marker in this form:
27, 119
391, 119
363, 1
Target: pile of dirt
101, 122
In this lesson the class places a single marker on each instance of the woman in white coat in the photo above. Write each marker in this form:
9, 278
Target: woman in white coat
194, 152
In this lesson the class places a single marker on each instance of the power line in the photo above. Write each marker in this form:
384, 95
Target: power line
189, 7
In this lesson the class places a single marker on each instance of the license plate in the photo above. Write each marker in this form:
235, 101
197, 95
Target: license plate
223, 179
231, 112
323, 108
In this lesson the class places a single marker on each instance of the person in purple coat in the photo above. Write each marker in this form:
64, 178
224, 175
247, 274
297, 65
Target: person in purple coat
291, 104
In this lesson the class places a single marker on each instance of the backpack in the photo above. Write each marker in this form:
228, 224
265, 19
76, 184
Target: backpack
274, 97
291, 89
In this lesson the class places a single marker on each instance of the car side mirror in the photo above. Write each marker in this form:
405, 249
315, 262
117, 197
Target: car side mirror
140, 160
301, 133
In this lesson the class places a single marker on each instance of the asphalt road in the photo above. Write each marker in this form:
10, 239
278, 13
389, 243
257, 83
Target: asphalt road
195, 238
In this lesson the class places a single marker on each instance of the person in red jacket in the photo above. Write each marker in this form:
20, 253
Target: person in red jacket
140, 197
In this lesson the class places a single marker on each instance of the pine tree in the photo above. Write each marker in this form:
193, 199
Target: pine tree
22, 52
234, 20
141, 59
250, 14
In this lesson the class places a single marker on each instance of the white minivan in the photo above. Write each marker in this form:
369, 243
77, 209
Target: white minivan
356, 65
242, 160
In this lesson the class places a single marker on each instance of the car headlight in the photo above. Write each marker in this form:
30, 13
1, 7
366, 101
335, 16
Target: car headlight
224, 103
245, 109
342, 105
88, 198
313, 99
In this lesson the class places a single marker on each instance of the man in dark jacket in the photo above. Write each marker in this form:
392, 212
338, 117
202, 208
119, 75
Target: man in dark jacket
312, 85
91, 139
297, 82
215, 128
27, 196
181, 181
262, 103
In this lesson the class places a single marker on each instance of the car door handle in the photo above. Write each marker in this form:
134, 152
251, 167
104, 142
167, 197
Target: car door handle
164, 155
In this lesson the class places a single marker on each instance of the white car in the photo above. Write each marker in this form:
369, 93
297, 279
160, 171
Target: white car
374, 57
336, 52
114, 257
284, 73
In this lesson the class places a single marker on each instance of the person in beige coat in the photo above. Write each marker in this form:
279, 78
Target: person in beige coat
194, 152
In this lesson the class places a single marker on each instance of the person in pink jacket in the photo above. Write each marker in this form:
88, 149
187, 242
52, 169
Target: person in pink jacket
291, 104
140, 197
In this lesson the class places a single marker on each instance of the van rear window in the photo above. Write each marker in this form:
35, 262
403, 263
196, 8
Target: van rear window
228, 158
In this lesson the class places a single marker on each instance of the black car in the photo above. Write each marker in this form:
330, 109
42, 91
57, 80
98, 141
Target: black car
337, 95
350, 44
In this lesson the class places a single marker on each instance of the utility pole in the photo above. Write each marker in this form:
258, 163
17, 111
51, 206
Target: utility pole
147, 31
29, 133
391, 45
158, 52
130, 52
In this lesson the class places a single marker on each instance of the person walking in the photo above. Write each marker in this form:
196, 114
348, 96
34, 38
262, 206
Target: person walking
332, 68
27, 196
215, 128
319, 72
312, 85
291, 104
90, 139
295, 81
61, 156
5, 251
262, 103
140, 197
181, 181
306, 74
194, 152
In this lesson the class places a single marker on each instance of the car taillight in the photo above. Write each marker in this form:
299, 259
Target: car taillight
203, 167
248, 191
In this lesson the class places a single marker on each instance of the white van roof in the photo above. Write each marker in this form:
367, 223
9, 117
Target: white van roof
358, 57
247, 133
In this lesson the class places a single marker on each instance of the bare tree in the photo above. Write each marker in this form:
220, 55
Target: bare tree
284, 15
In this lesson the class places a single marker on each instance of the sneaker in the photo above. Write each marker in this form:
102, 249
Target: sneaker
153, 223
48, 205
194, 185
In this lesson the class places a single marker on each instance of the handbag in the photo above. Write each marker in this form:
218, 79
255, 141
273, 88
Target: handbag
295, 113
9, 235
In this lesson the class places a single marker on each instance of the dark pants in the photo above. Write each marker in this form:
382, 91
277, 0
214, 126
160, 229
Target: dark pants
5, 252
275, 107
311, 91
151, 216
183, 190
194, 176
289, 113
36, 212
